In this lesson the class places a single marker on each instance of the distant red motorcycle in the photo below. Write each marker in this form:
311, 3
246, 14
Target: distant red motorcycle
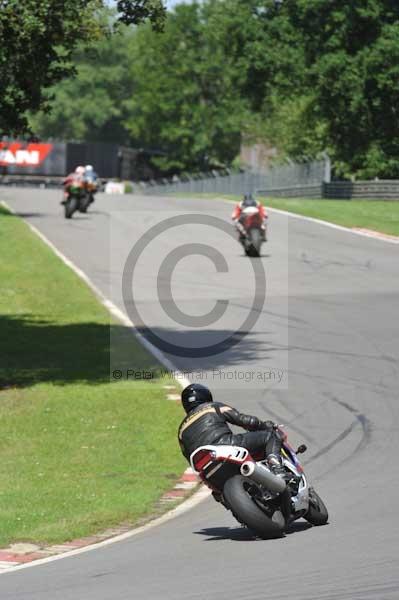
252, 230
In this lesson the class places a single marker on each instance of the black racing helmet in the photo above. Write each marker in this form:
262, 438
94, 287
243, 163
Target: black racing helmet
194, 395
249, 200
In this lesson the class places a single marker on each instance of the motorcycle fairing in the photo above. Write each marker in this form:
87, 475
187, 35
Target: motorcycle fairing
221, 453
289, 453
290, 461
216, 464
250, 210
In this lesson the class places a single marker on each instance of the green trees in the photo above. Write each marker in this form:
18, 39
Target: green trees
305, 75
352, 65
184, 101
345, 56
90, 106
37, 40
173, 92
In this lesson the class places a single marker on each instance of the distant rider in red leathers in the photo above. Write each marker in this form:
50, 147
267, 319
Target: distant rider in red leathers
77, 175
237, 215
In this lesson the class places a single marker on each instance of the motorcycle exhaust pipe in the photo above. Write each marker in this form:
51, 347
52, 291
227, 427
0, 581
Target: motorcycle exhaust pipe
263, 476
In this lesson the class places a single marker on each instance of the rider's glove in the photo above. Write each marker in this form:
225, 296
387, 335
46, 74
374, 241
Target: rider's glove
269, 425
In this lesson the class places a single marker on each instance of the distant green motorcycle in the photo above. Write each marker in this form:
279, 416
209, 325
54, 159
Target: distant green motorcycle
77, 198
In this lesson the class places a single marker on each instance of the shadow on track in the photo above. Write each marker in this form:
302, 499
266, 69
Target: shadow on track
242, 534
248, 346
254, 257
298, 526
237, 534
31, 215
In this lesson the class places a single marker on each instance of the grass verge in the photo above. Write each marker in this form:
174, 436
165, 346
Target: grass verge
77, 453
378, 215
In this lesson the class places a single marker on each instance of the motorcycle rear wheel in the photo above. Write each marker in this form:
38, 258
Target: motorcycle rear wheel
70, 206
254, 243
317, 513
247, 512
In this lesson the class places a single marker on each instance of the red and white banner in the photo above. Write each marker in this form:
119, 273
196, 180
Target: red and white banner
23, 155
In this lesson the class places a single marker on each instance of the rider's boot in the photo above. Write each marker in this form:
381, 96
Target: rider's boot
273, 456
277, 468
264, 233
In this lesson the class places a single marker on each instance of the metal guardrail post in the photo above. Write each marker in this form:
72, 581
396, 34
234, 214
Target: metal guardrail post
327, 168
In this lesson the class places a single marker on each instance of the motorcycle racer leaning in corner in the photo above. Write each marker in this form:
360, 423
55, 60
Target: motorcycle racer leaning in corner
238, 216
206, 423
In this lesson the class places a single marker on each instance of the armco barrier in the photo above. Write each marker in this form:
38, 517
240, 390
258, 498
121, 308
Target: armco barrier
362, 190
297, 191
41, 181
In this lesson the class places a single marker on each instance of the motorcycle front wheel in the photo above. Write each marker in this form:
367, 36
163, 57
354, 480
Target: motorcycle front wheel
84, 203
247, 511
70, 206
317, 513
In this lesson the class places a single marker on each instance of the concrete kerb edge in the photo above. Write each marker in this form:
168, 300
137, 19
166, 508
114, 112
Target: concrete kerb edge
182, 508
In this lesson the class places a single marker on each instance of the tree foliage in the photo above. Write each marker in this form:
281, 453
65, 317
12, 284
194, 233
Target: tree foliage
174, 93
37, 40
133, 12
351, 59
184, 101
305, 75
345, 92
90, 105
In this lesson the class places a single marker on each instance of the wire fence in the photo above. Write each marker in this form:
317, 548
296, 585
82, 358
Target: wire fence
293, 178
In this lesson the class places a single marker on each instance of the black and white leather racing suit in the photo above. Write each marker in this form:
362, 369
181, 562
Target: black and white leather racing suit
207, 424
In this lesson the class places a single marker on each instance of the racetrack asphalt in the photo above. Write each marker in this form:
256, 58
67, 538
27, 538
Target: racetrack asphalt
336, 340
